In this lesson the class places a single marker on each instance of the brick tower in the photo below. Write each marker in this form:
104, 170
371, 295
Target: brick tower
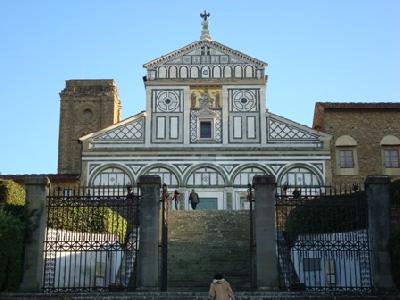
86, 106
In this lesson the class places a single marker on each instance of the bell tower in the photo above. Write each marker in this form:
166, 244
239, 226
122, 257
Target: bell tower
86, 106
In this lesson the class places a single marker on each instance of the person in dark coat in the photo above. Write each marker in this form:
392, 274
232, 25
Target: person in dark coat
194, 199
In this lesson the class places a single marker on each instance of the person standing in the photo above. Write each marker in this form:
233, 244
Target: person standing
175, 200
194, 199
220, 289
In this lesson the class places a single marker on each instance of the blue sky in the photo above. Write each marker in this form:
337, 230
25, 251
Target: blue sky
342, 50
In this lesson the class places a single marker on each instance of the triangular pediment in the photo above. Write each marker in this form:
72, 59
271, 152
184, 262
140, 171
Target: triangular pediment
282, 130
205, 53
131, 129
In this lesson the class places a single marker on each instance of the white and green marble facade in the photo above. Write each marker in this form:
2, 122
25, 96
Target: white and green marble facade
206, 82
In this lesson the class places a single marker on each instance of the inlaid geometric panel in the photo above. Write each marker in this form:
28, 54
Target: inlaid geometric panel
243, 100
283, 131
129, 131
167, 100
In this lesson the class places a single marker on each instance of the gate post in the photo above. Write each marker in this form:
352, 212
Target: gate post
149, 220
378, 196
264, 215
37, 188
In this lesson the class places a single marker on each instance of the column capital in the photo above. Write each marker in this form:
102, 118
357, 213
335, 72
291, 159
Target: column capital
36, 180
264, 179
149, 179
377, 179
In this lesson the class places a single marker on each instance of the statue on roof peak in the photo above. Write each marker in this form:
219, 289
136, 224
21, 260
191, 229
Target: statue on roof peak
205, 34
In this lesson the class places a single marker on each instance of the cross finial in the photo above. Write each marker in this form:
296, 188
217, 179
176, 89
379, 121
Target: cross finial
205, 15
205, 34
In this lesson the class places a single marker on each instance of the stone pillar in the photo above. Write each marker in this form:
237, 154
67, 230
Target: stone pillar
378, 195
264, 222
36, 195
148, 268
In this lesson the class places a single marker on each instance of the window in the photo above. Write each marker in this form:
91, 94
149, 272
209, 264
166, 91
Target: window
391, 158
390, 146
346, 158
205, 130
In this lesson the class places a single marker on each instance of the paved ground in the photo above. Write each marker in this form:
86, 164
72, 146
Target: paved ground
196, 296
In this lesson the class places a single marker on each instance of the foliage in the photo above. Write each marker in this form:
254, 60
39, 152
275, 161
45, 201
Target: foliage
11, 193
328, 214
92, 219
12, 233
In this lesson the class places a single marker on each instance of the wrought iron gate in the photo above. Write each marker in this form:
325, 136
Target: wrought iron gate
322, 239
92, 239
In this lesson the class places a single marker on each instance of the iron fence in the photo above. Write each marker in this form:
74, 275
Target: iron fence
92, 239
322, 238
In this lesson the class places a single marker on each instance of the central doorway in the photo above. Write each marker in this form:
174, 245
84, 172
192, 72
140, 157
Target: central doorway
208, 203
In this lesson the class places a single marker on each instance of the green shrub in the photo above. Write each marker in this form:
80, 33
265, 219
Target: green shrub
11, 193
328, 214
87, 219
12, 233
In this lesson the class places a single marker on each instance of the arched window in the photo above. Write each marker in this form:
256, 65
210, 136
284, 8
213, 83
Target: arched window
299, 176
111, 176
167, 176
346, 156
245, 176
205, 176
390, 145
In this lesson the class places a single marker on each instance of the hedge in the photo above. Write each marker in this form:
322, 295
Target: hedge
87, 219
12, 237
11, 193
328, 214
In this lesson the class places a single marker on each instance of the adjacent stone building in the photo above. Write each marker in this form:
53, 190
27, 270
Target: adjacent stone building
365, 139
86, 106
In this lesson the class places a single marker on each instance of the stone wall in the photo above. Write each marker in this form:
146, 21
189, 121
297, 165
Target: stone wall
86, 106
367, 127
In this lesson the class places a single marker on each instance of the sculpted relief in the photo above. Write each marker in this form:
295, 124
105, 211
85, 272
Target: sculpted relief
206, 97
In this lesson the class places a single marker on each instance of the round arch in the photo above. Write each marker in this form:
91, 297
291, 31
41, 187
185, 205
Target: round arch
111, 175
243, 175
205, 175
300, 174
168, 174
390, 140
345, 140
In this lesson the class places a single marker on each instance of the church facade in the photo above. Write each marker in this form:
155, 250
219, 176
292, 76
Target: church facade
206, 127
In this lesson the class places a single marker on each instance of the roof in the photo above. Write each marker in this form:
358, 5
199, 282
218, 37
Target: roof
321, 107
199, 44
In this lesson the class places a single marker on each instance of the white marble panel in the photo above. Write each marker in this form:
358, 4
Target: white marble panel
161, 127
251, 127
173, 121
237, 127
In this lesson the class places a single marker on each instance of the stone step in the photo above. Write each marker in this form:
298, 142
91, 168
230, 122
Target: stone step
197, 296
202, 243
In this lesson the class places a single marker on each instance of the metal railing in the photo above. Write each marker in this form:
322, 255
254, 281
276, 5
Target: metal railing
92, 239
322, 238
